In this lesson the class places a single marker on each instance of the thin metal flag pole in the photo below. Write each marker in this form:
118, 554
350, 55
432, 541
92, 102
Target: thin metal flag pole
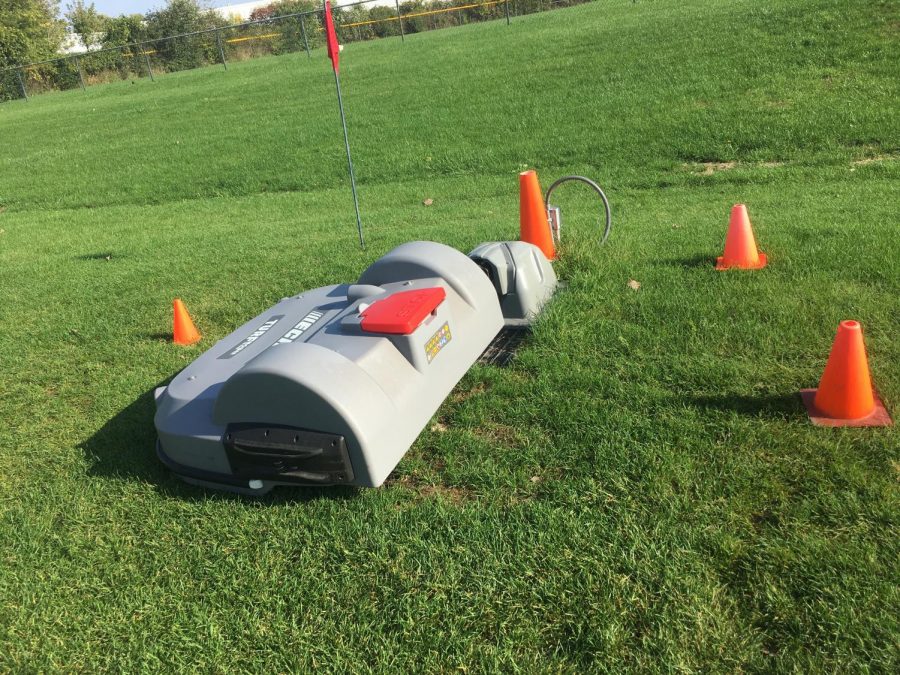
334, 54
337, 84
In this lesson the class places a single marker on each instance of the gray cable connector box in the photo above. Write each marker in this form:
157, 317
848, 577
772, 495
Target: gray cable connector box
522, 277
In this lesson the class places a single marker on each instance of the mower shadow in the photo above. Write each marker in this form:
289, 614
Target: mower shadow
774, 406
125, 449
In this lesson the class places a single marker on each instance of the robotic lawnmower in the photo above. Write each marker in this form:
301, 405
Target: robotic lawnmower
332, 386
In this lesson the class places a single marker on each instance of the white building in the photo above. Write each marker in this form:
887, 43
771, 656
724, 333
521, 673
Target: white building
242, 11
72, 44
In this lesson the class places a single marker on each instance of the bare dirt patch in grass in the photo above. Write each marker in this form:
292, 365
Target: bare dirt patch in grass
425, 488
502, 434
710, 168
874, 160
465, 394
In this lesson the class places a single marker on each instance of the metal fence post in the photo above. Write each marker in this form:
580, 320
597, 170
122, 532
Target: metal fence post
305, 41
507, 12
147, 61
80, 76
22, 84
221, 51
400, 21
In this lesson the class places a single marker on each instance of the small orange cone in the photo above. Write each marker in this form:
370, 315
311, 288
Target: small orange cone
740, 246
534, 227
183, 330
845, 397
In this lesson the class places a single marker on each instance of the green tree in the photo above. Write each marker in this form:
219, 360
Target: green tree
29, 30
386, 18
124, 30
86, 22
282, 7
117, 31
176, 18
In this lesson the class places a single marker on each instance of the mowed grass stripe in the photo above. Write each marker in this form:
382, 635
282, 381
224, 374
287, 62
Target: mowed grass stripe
652, 86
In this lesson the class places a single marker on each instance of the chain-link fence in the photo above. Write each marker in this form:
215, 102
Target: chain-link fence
270, 36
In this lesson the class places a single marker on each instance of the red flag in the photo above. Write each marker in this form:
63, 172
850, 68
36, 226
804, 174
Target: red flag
334, 49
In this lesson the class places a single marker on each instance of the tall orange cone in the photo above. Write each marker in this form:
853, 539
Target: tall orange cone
740, 246
534, 227
183, 330
845, 397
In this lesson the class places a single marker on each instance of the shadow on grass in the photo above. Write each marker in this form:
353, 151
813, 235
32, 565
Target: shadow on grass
775, 406
107, 256
125, 449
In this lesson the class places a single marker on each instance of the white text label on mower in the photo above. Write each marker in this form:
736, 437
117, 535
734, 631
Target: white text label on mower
302, 326
253, 337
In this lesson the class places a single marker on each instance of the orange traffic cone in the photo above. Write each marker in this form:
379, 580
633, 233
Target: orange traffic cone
740, 246
845, 397
183, 330
534, 227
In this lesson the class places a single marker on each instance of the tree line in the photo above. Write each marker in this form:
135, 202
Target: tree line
32, 31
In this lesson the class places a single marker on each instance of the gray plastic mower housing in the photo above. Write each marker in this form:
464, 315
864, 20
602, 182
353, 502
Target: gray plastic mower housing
522, 277
314, 391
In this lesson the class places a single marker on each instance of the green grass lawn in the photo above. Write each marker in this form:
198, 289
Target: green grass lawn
641, 489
